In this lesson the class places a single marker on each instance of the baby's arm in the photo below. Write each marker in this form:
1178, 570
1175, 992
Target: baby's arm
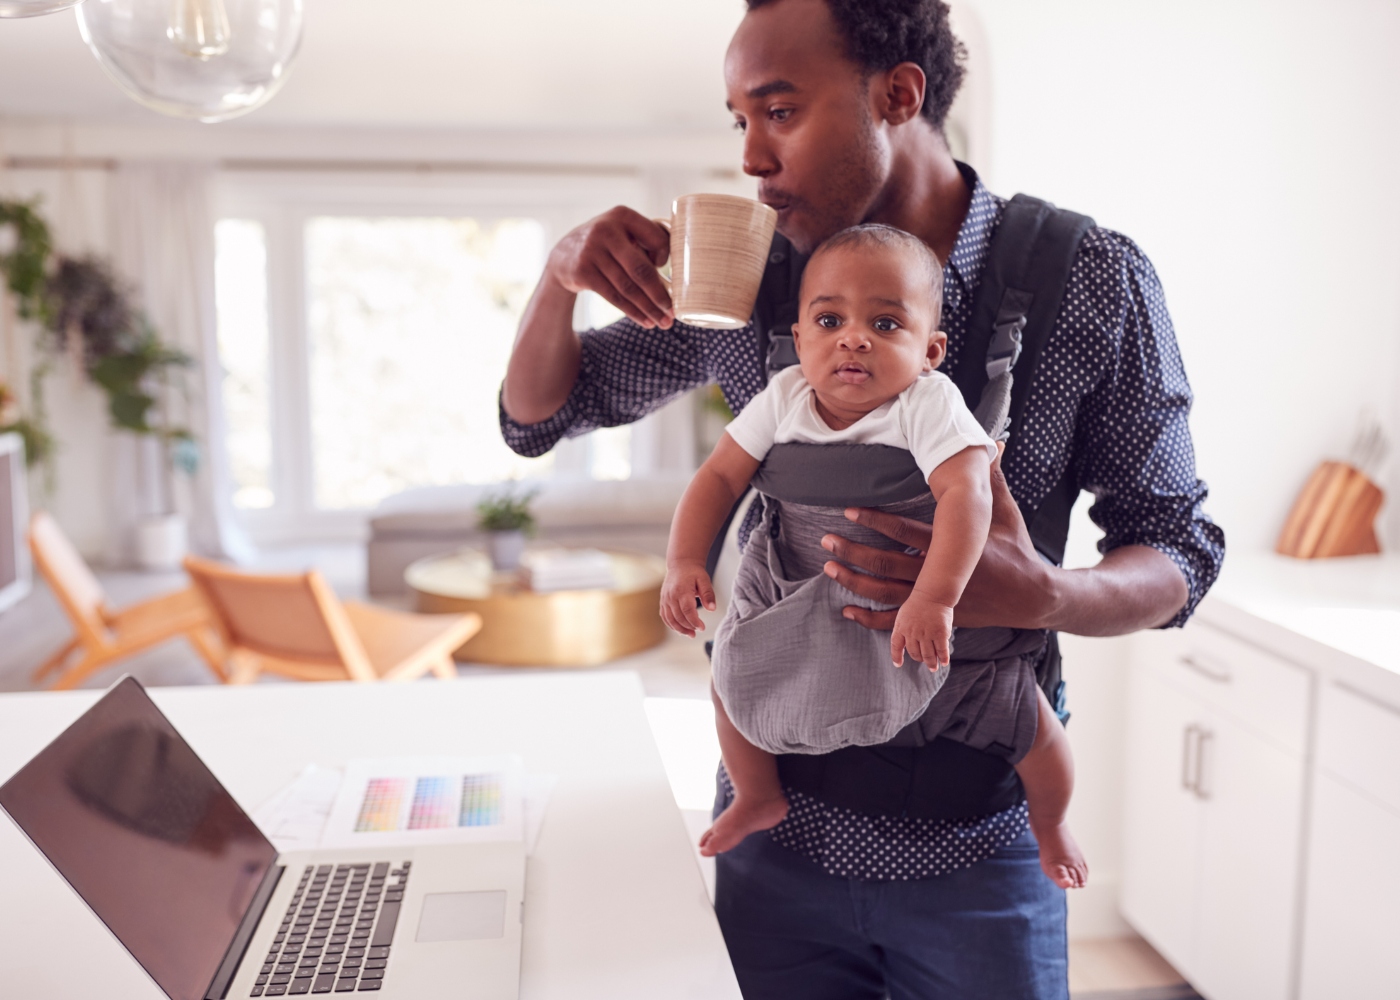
707, 501
962, 487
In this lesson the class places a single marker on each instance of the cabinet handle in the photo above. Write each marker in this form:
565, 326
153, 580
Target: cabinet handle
1204, 741
1190, 743
1221, 675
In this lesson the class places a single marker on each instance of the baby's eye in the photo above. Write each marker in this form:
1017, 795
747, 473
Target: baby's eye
828, 321
886, 324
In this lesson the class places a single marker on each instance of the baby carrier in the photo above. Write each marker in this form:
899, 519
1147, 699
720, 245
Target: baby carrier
1014, 312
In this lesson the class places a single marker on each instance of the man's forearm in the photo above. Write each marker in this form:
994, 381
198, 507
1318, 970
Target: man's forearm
1133, 587
545, 360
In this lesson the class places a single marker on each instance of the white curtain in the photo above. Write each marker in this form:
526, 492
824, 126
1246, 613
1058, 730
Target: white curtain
162, 242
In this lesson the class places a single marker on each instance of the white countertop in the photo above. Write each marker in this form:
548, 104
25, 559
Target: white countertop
1349, 605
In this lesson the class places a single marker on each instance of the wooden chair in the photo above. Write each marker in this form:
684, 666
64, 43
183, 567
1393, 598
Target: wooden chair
101, 634
294, 625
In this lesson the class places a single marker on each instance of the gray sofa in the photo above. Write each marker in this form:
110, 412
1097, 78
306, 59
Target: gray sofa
633, 515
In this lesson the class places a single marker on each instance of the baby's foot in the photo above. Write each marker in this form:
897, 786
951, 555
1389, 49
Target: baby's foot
1060, 858
741, 818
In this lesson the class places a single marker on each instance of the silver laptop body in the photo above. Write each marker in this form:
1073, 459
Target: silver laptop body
146, 835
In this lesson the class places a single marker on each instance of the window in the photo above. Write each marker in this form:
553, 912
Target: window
364, 340
410, 324
240, 261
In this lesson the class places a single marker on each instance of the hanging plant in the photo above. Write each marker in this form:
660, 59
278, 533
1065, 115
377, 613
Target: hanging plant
85, 311
25, 247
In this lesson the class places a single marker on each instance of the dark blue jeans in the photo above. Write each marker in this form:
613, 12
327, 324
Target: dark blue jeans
994, 931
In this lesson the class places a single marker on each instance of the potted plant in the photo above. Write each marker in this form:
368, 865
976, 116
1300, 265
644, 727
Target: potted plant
507, 521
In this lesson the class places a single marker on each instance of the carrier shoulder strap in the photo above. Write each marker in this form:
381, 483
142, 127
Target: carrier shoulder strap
776, 308
1017, 303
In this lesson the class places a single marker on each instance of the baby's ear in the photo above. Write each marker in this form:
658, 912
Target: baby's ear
937, 349
795, 348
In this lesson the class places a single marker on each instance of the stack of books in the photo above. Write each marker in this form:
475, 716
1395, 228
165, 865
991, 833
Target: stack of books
569, 569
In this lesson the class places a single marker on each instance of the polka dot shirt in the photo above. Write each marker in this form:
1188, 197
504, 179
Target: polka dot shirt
1109, 401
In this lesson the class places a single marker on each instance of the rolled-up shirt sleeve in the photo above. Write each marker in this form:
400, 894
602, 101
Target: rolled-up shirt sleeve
1135, 449
625, 372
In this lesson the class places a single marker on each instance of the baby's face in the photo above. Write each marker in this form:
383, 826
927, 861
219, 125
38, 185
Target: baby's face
866, 329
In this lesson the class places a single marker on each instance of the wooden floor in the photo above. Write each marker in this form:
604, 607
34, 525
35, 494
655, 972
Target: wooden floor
1115, 969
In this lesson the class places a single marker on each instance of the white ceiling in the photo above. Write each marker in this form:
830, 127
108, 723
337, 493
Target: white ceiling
435, 63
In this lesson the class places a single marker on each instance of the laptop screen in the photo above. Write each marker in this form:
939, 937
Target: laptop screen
144, 832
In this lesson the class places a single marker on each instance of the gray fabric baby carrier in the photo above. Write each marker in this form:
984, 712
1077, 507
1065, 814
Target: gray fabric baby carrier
797, 678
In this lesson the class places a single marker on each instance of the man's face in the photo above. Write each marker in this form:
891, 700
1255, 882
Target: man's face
808, 120
866, 327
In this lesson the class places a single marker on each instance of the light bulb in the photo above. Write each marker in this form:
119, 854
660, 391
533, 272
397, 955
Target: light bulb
205, 59
199, 28
33, 8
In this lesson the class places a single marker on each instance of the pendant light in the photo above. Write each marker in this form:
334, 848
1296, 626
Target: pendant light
33, 8
209, 60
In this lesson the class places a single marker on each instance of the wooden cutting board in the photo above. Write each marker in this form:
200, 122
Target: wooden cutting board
1335, 515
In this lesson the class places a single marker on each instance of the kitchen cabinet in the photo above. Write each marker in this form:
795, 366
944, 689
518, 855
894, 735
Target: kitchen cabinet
1217, 732
1351, 930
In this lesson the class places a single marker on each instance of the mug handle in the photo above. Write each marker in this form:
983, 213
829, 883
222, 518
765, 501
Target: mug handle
666, 225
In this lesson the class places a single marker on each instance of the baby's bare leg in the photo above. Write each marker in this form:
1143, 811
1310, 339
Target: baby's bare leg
759, 803
1047, 772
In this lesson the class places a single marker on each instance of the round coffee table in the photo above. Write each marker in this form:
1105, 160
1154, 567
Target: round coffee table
564, 628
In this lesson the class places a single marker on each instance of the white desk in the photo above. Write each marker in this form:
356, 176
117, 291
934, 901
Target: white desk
614, 902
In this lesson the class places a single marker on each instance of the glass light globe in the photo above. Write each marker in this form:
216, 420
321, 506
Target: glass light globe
206, 59
33, 8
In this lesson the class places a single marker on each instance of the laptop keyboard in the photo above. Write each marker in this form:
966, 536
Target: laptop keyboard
336, 934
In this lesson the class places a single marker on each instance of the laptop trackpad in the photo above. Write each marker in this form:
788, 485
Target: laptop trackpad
462, 916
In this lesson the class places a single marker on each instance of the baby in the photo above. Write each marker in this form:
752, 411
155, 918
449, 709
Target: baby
868, 342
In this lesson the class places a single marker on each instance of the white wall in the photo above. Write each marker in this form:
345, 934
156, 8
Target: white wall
1250, 148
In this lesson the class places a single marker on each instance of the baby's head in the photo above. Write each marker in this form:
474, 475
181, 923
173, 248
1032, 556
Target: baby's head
868, 326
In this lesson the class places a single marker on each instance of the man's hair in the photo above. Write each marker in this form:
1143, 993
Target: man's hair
876, 234
881, 34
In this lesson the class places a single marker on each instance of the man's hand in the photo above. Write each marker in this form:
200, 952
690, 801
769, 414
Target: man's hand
616, 255
686, 583
1011, 586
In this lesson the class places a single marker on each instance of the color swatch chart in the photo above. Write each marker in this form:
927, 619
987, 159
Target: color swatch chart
379, 812
430, 803
481, 800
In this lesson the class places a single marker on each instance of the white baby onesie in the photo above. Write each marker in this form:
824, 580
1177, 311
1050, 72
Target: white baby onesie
929, 419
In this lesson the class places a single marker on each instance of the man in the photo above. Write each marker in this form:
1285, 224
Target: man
935, 892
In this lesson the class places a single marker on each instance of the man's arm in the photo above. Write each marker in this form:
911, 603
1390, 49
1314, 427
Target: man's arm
614, 255
561, 384
1132, 587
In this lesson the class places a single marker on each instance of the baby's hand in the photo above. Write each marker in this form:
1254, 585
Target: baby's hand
923, 629
685, 582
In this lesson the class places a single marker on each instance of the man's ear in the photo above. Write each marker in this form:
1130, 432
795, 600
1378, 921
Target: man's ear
937, 349
900, 93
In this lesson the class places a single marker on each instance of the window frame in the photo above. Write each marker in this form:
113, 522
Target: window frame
283, 203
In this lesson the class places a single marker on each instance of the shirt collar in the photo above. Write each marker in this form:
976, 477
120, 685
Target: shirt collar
965, 264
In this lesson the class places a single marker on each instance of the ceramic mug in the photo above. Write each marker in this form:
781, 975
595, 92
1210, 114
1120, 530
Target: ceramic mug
719, 249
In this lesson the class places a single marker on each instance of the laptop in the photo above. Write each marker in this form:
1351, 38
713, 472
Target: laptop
159, 850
